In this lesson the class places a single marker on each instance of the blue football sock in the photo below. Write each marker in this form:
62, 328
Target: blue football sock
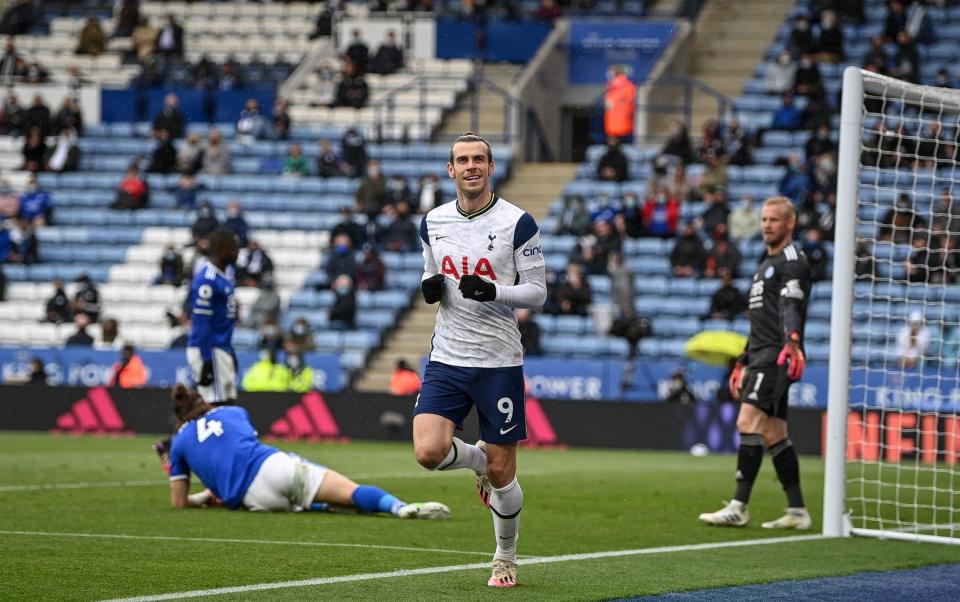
369, 498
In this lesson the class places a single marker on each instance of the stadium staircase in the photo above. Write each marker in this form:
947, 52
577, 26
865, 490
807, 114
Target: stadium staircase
533, 187
490, 106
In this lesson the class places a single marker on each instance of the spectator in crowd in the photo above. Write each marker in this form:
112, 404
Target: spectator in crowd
80, 338
92, 39
341, 260
205, 223
899, 223
266, 308
744, 220
144, 38
59, 310
11, 65
723, 258
943, 79
529, 333
354, 149
270, 335
230, 78
779, 75
800, 40
352, 89
429, 194
324, 25
711, 141
87, 299
678, 144
728, 302
629, 219
816, 253
405, 380
34, 151
164, 159
170, 118
133, 192
619, 104
38, 373
65, 155
326, 92
788, 116
796, 182
12, 117
574, 216
807, 76
572, 295
18, 18
205, 75
896, 20
295, 164
876, 54
128, 16
661, 214
280, 119
906, 60
301, 335
36, 205
237, 223
819, 144
329, 163
252, 125
593, 251
190, 157
688, 255
351, 226
171, 267
389, 56
818, 112
266, 375
109, 336
714, 179
187, 190
864, 268
401, 234
371, 194
622, 291
358, 52
22, 242
613, 165
371, 273
68, 116
737, 145
301, 375
253, 265
716, 213
170, 39
913, 339
129, 372
343, 314
38, 115
397, 190
216, 157
829, 45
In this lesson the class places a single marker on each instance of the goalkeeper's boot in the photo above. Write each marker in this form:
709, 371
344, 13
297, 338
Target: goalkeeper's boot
504, 574
162, 448
484, 488
734, 514
424, 510
795, 518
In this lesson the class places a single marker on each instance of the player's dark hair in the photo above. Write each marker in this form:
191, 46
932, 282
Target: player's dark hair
220, 237
187, 403
471, 137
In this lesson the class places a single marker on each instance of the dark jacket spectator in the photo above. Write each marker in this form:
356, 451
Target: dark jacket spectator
906, 61
371, 194
529, 333
613, 165
818, 112
678, 144
87, 299
351, 227
801, 40
133, 192
64, 156
127, 18
572, 295
819, 144
352, 90
896, 20
59, 310
329, 163
341, 260
171, 268
170, 118
38, 115
187, 190
92, 39
34, 150
353, 148
280, 119
80, 338
170, 38
688, 256
717, 213
343, 314
876, 54
727, 302
68, 116
829, 45
401, 234
205, 223
723, 259
253, 264
358, 53
237, 222
397, 190
17, 19
164, 159
371, 273
574, 217
594, 252
389, 57
807, 77
817, 257
12, 116
301, 335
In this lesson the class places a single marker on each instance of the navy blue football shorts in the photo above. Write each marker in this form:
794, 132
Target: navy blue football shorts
498, 393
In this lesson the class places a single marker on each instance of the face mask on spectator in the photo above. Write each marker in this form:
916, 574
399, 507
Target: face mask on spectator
340, 249
343, 289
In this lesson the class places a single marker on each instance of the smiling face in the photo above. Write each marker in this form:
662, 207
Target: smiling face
471, 167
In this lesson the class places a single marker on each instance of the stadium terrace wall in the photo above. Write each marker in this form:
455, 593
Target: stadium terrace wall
342, 416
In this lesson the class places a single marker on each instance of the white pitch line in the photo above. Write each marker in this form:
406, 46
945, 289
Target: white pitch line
268, 542
93, 485
220, 591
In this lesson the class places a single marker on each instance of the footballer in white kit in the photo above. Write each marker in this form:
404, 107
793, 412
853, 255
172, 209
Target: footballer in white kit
482, 258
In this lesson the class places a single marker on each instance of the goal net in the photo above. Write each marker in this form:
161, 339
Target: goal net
893, 437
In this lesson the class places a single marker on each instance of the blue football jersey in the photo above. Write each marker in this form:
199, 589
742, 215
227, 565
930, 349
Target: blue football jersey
213, 311
222, 449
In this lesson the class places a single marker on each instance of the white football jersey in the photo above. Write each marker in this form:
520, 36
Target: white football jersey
496, 243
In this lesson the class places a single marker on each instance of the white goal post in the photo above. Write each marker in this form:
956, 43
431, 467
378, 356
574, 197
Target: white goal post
892, 444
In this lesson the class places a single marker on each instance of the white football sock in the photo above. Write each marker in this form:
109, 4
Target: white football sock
505, 505
464, 455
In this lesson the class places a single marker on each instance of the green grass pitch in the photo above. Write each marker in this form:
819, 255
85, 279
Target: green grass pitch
576, 501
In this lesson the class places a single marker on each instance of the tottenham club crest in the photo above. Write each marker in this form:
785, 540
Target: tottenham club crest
491, 236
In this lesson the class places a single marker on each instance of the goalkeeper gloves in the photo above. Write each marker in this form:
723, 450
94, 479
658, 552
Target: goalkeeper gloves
791, 351
206, 374
736, 376
432, 288
476, 288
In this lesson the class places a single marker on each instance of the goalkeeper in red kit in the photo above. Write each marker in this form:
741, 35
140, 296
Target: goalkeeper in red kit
772, 361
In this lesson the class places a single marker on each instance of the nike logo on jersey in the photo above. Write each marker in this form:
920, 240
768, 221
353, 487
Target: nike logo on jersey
505, 431
439, 237
477, 293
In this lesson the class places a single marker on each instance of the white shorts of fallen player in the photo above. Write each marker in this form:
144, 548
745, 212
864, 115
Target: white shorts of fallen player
285, 483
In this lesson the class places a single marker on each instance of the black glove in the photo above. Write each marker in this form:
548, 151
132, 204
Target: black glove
432, 288
206, 374
476, 288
